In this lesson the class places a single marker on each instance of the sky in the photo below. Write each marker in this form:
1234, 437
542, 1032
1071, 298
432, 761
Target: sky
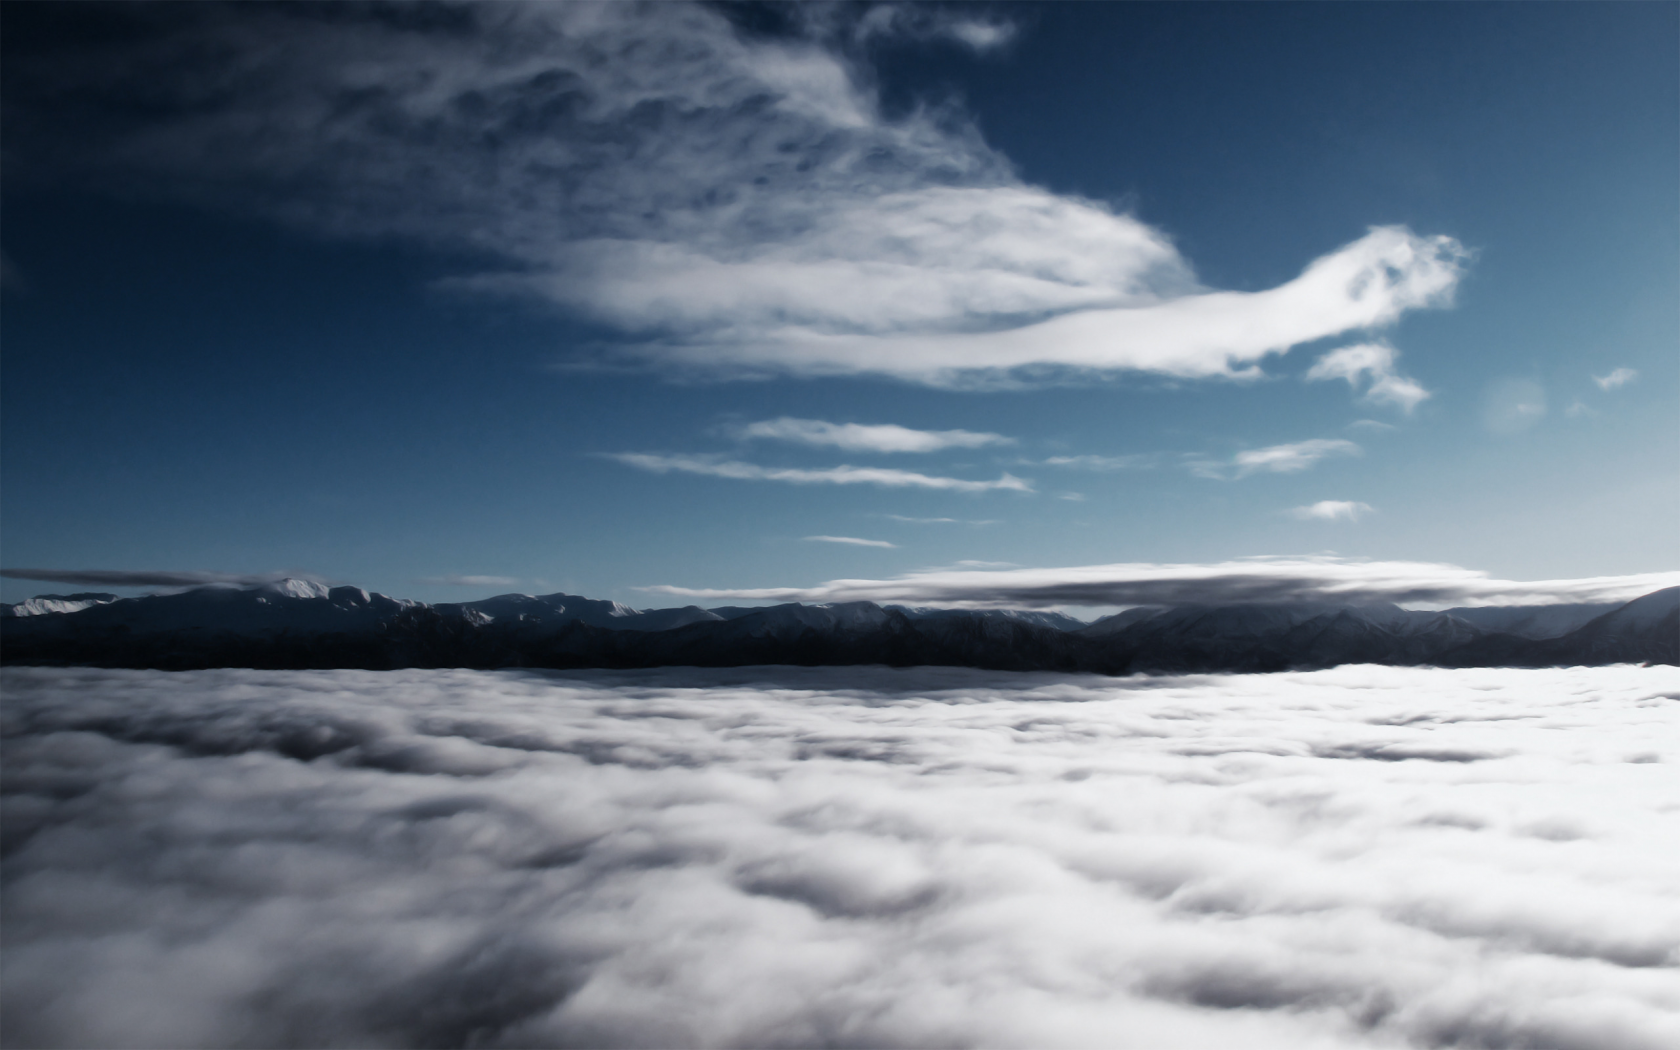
450, 301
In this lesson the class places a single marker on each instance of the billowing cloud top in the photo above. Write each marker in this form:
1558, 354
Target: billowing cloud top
1269, 579
734, 203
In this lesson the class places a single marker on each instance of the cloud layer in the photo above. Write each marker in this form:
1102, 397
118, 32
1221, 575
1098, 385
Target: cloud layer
1266, 579
856, 437
1365, 857
841, 475
731, 202
144, 578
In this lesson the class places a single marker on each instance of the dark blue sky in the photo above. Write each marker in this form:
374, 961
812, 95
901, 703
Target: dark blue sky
280, 308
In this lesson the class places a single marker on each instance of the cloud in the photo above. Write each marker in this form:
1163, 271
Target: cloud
1577, 409
1373, 362
1512, 406
942, 521
1372, 425
853, 540
1320, 578
1333, 510
1358, 858
733, 203
1134, 461
1616, 378
473, 581
147, 578
856, 437
1074, 497
1275, 459
841, 475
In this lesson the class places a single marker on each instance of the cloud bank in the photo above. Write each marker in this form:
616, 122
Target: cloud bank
855, 437
841, 475
1358, 858
732, 203
1265, 579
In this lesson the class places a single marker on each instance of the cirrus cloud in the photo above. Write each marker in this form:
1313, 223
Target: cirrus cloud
841, 475
851, 540
732, 203
858, 437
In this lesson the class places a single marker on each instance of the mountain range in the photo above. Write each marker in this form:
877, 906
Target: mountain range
303, 624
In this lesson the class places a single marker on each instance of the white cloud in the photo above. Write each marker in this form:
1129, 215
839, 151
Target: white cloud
1134, 461
1075, 497
1512, 406
1373, 362
1372, 425
856, 437
1262, 579
1333, 510
473, 581
853, 540
1616, 378
942, 521
841, 475
1275, 459
1577, 409
1358, 858
735, 204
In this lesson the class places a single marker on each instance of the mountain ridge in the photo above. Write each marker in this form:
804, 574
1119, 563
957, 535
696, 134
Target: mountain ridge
293, 623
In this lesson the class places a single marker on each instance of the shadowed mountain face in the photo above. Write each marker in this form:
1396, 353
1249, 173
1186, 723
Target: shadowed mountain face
294, 624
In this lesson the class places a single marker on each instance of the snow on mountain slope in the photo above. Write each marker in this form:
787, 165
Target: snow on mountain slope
47, 604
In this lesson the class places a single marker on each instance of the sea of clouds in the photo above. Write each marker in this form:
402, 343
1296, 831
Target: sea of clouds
1358, 857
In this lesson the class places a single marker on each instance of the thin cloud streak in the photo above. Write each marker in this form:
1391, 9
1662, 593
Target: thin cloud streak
150, 578
852, 540
473, 581
1262, 579
841, 475
1291, 458
855, 437
734, 205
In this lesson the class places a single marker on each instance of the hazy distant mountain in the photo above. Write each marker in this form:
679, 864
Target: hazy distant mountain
296, 623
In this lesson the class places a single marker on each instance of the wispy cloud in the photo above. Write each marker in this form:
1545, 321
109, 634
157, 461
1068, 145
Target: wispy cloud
841, 475
1617, 377
1333, 510
857, 437
732, 203
151, 578
473, 581
1072, 497
1134, 461
1263, 579
853, 540
1512, 406
1275, 459
942, 521
1372, 363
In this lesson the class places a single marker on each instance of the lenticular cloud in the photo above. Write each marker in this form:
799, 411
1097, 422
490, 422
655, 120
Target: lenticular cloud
1364, 857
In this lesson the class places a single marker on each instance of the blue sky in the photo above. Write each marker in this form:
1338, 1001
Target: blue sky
602, 298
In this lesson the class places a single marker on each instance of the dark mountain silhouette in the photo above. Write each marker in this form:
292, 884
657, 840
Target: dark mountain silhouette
297, 624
